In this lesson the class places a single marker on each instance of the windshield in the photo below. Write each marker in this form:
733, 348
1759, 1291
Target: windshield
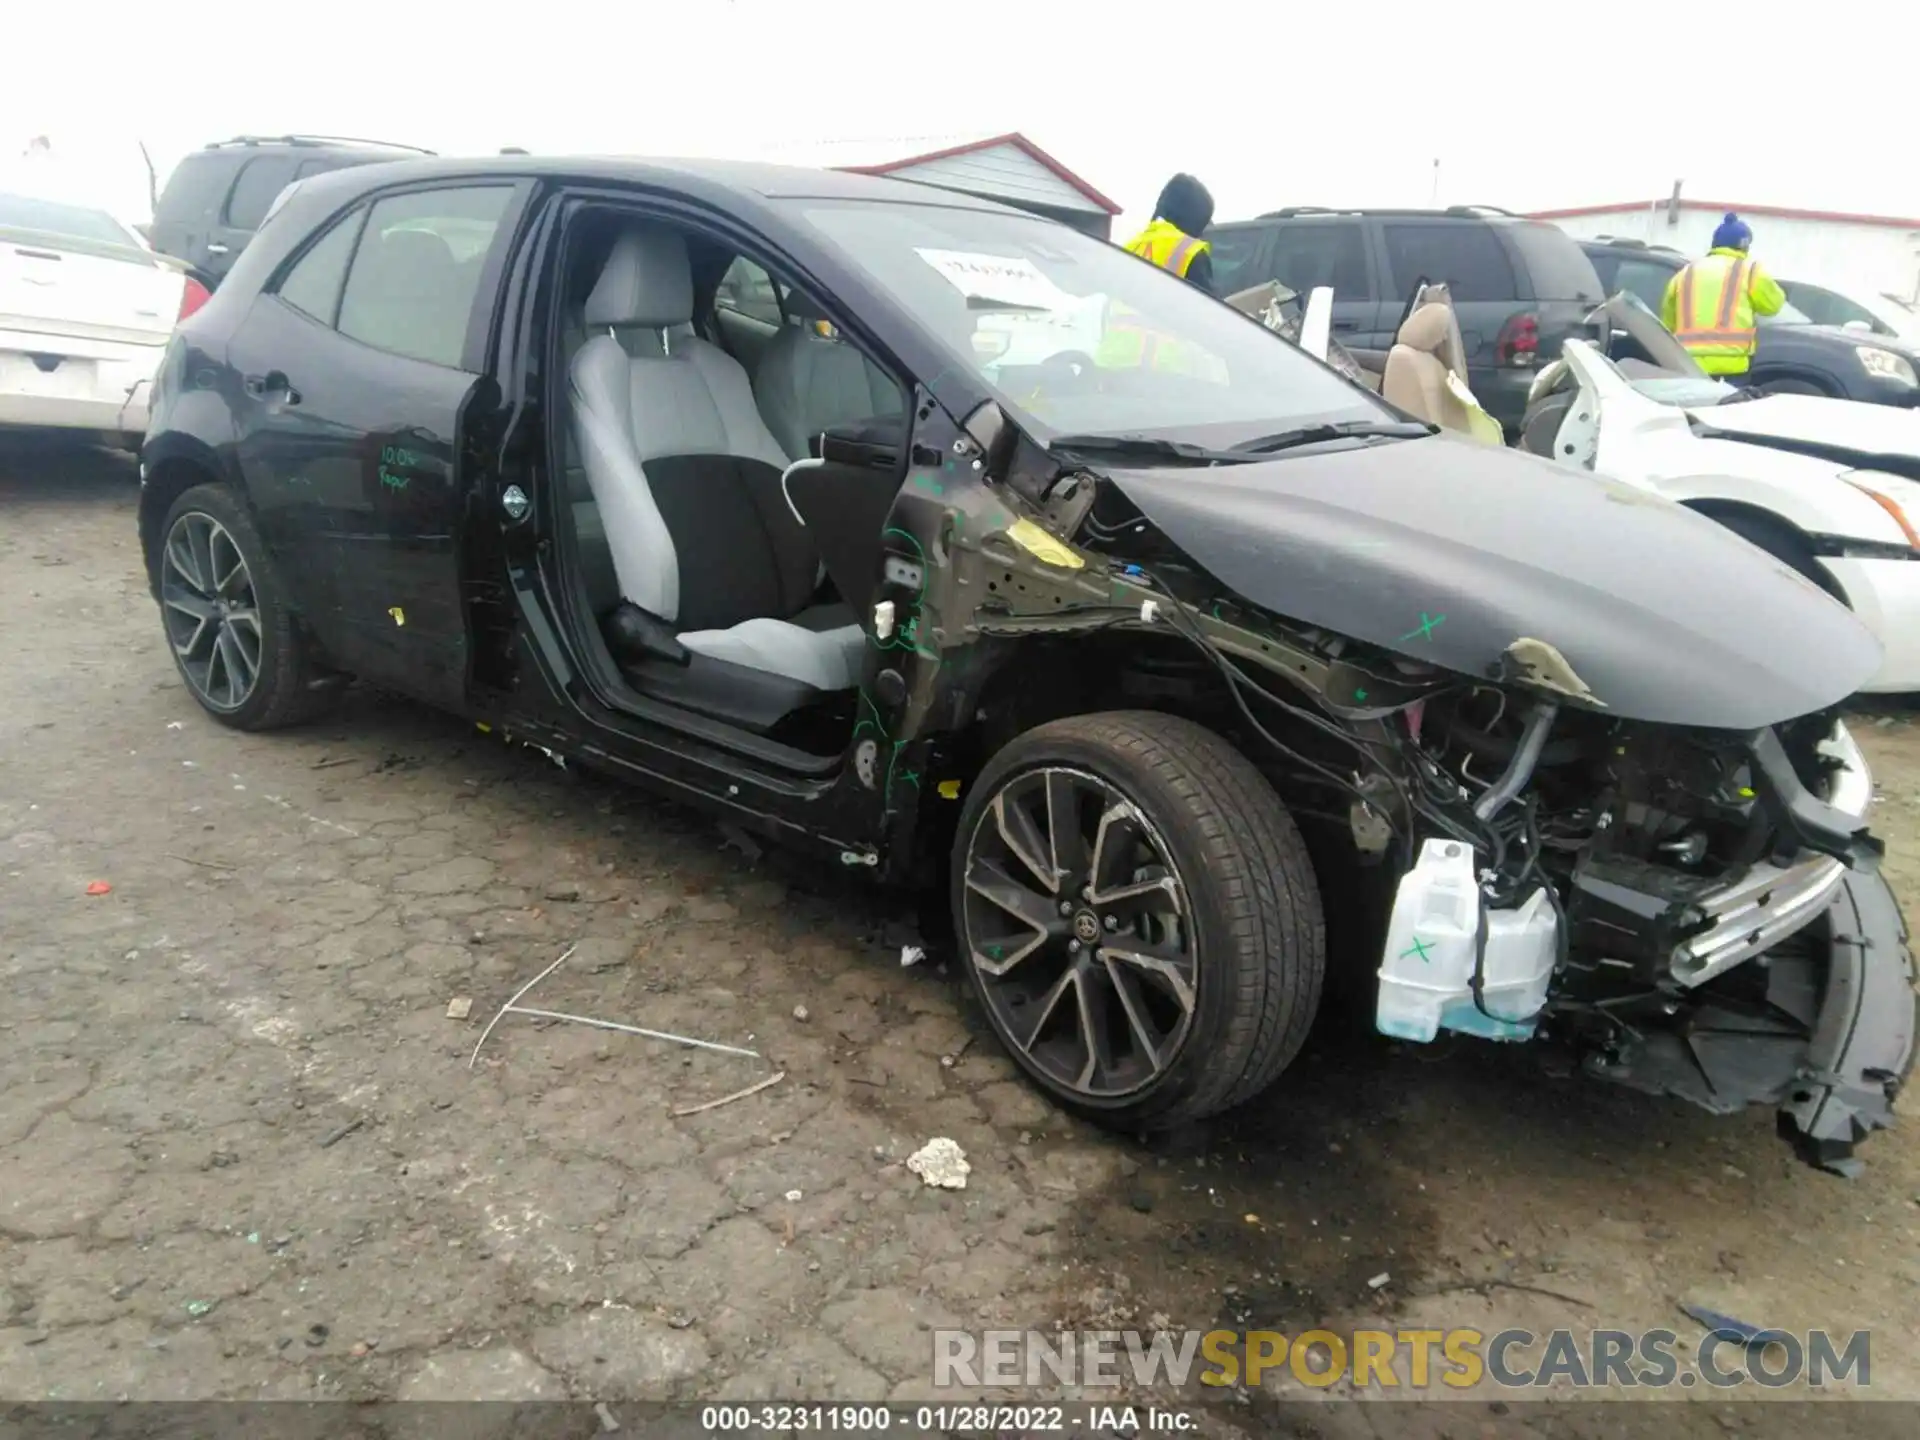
1789, 315
1075, 335
53, 217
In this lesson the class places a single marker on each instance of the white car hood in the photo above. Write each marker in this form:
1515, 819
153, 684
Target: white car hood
1866, 430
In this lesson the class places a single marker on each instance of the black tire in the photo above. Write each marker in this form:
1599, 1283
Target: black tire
1793, 385
284, 690
1242, 888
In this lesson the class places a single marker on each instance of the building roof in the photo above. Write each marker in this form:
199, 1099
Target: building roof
934, 162
1720, 207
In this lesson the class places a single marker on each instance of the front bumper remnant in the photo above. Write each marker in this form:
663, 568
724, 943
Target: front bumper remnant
1862, 1048
1831, 1043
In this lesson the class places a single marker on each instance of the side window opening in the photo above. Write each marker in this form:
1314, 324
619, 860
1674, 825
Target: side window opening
1234, 252
747, 289
195, 187
410, 289
1646, 281
314, 283
1314, 253
1467, 257
254, 189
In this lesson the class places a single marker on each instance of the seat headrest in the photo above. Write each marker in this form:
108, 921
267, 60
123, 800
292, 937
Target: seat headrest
419, 258
646, 281
802, 307
1433, 330
417, 247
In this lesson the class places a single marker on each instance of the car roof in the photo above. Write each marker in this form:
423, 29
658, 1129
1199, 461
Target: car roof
1632, 246
1490, 214
243, 143
741, 177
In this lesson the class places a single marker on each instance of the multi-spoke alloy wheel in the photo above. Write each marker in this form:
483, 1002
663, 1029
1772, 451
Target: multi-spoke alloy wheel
1078, 925
211, 611
1138, 915
227, 616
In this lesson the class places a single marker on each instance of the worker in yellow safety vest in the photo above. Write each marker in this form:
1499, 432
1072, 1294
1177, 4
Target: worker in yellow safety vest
1173, 241
1711, 305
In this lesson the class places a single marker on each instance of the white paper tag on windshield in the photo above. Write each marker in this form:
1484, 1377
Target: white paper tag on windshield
1007, 279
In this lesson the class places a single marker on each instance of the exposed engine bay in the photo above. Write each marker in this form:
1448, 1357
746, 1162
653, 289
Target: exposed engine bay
1687, 907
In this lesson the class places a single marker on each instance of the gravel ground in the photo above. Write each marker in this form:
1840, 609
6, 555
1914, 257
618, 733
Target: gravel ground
243, 1155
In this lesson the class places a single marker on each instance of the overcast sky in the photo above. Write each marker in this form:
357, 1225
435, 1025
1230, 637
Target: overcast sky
1525, 105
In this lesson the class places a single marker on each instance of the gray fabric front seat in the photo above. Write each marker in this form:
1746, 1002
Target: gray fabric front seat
806, 383
686, 479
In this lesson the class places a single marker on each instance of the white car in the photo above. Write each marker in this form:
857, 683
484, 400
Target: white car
1828, 486
85, 312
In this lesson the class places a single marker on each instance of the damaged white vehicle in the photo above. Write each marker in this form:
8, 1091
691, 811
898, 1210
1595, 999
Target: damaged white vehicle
1826, 486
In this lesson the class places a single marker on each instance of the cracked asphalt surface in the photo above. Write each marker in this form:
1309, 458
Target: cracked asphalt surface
242, 1154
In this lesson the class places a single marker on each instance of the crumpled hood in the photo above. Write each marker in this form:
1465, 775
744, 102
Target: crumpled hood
1448, 551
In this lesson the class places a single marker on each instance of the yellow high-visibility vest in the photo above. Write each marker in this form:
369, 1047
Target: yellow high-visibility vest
1713, 312
1168, 246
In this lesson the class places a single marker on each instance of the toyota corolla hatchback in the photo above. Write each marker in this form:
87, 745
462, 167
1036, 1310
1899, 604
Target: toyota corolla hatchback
1143, 641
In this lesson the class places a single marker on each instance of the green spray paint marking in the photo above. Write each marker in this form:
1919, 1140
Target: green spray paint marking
1359, 695
907, 634
398, 459
1428, 624
874, 723
1418, 947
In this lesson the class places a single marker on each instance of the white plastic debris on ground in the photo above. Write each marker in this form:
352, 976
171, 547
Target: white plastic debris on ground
941, 1162
911, 955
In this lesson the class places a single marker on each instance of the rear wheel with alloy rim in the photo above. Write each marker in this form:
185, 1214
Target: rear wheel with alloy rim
1138, 917
226, 615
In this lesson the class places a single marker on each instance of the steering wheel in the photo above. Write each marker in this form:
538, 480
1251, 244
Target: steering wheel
1067, 364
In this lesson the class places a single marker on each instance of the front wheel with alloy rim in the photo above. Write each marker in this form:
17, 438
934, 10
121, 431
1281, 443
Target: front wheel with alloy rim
1138, 916
226, 615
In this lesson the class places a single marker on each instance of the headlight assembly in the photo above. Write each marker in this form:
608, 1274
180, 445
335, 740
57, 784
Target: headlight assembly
1887, 491
1886, 365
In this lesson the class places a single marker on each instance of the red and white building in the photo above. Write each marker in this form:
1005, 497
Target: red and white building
1012, 170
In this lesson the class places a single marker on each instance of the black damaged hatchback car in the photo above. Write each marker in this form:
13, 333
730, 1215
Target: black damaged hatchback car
978, 555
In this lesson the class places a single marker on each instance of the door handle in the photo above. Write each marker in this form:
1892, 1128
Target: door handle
214, 247
1346, 324
274, 382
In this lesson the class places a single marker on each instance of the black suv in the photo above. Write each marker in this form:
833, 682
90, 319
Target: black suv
1794, 356
217, 196
1519, 286
718, 478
